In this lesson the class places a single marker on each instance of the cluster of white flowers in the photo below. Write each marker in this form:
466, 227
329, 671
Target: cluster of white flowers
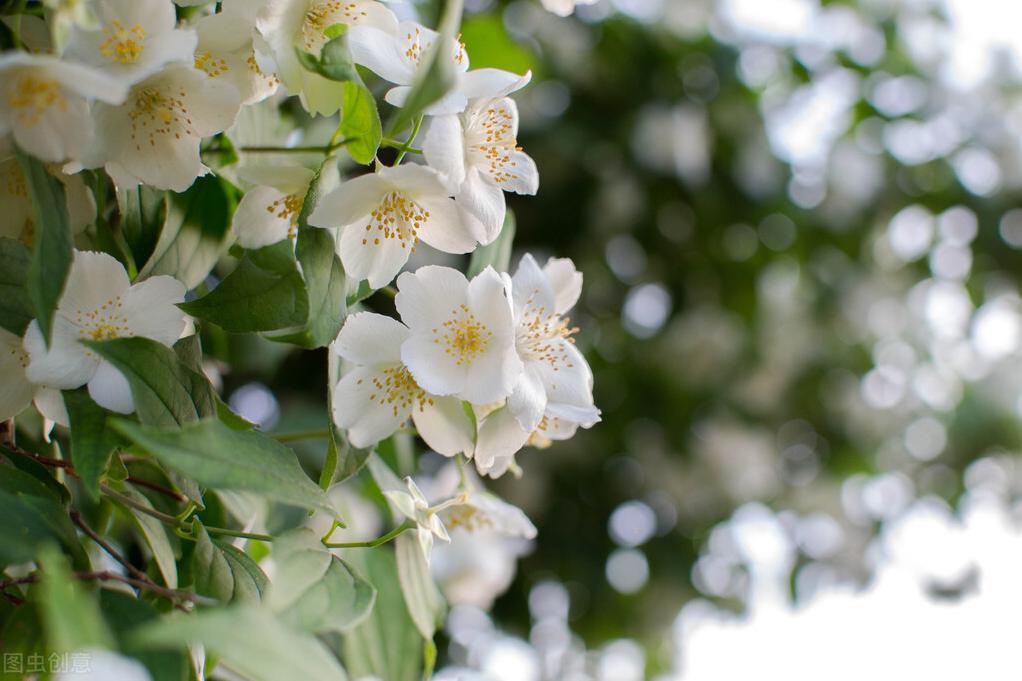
125, 88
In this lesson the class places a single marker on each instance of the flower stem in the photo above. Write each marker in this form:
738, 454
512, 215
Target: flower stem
398, 144
406, 525
407, 146
301, 435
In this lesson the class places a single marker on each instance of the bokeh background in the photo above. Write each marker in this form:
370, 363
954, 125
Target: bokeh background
799, 228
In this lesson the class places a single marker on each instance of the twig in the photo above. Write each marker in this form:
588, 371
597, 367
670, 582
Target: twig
108, 576
301, 435
176, 496
76, 518
406, 525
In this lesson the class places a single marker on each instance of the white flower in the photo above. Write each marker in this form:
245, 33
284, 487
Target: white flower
45, 103
462, 333
269, 212
476, 509
100, 303
153, 138
555, 371
563, 8
413, 505
477, 154
16, 220
134, 39
102, 665
15, 390
226, 50
379, 395
385, 214
288, 25
396, 56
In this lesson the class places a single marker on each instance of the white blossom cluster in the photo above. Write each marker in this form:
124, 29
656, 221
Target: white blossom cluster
479, 367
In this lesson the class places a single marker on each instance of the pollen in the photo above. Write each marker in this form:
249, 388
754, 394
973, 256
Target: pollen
468, 518
103, 323
123, 45
396, 389
31, 97
463, 336
288, 208
323, 15
491, 134
212, 66
397, 217
158, 113
538, 333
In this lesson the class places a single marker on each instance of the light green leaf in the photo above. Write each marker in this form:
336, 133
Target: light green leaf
496, 254
248, 640
53, 248
387, 644
343, 459
224, 572
360, 123
15, 306
265, 292
195, 233
92, 439
324, 276
154, 533
334, 60
315, 590
434, 77
125, 615
165, 390
71, 616
222, 458
425, 604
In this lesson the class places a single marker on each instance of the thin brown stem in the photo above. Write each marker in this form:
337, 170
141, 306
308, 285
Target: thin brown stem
165, 491
108, 576
76, 518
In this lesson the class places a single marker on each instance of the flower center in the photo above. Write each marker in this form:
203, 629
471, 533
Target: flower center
288, 208
156, 112
494, 143
323, 15
123, 45
213, 66
468, 517
538, 438
397, 217
396, 389
537, 332
103, 323
463, 336
32, 96
254, 67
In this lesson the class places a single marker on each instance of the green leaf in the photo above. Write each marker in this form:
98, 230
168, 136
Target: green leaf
53, 247
324, 277
195, 233
166, 391
363, 291
313, 589
360, 123
425, 604
33, 517
22, 634
71, 616
222, 458
496, 254
34, 469
434, 77
143, 213
92, 439
154, 532
334, 60
125, 615
15, 306
387, 644
265, 292
248, 640
343, 459
224, 572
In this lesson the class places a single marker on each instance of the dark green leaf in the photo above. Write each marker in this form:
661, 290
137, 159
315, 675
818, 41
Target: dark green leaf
496, 254
125, 615
53, 247
38, 471
92, 439
343, 460
363, 291
15, 306
195, 233
33, 517
249, 640
315, 590
221, 458
262, 294
155, 534
165, 390
223, 572
143, 214
71, 616
360, 123
387, 644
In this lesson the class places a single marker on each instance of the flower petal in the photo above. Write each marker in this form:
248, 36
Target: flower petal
382, 53
350, 202
110, 389
370, 257
432, 367
444, 148
445, 229
370, 339
65, 364
565, 374
95, 279
531, 291
445, 426
500, 437
528, 399
427, 297
484, 200
479, 83
150, 308
356, 406
566, 282
15, 389
257, 221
